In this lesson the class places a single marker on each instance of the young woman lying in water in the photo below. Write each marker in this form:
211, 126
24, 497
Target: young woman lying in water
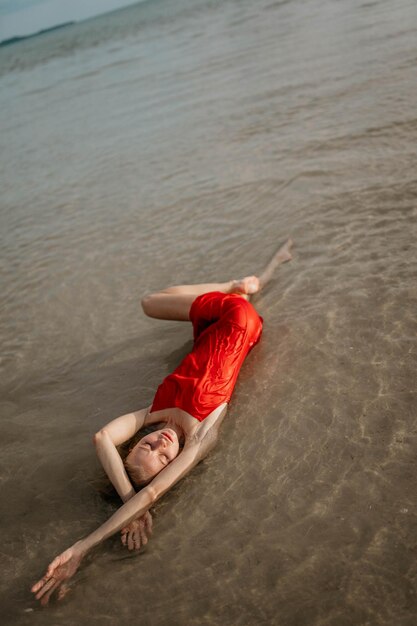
189, 405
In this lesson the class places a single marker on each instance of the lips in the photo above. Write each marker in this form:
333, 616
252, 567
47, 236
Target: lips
168, 436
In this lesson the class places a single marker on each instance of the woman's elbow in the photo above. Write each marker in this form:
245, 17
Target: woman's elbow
98, 437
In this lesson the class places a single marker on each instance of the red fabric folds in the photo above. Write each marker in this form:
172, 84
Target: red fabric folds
226, 327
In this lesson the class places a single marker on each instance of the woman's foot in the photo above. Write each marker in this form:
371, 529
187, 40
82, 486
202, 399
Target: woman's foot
282, 256
284, 253
249, 285
246, 286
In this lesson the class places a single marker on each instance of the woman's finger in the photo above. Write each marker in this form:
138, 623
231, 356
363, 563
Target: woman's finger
46, 597
136, 541
130, 543
148, 523
53, 565
143, 537
39, 584
63, 591
48, 584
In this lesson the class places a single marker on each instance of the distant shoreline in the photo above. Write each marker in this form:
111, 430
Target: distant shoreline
12, 40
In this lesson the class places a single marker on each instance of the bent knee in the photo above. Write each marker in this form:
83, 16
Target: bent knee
244, 315
152, 303
147, 303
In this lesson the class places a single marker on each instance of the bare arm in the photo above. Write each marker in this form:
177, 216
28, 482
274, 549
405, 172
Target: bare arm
64, 566
192, 453
113, 434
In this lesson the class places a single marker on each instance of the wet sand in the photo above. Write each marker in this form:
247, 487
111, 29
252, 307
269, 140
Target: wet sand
146, 148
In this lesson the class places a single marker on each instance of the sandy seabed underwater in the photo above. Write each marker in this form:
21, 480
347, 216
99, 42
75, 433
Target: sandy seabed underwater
181, 142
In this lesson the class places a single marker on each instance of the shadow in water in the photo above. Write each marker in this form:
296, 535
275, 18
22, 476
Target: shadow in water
52, 482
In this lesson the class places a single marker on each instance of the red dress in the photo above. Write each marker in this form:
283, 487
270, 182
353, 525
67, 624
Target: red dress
226, 327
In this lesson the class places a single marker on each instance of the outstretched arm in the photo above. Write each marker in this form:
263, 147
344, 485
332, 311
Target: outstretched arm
64, 566
142, 501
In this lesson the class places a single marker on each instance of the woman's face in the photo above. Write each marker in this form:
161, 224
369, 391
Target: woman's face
155, 451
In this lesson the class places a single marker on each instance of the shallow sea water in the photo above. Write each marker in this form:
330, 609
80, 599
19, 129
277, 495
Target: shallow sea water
182, 142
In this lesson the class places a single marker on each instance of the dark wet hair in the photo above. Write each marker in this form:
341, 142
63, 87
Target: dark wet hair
138, 475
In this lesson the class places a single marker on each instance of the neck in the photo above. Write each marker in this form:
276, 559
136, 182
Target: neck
178, 430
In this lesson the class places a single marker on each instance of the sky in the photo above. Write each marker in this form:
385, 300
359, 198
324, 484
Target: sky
25, 17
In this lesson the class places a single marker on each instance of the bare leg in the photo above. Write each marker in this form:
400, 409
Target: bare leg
282, 256
253, 284
174, 303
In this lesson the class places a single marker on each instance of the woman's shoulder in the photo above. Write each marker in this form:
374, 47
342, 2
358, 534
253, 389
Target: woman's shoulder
212, 422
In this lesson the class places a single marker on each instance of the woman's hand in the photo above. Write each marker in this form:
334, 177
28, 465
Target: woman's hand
136, 534
62, 568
